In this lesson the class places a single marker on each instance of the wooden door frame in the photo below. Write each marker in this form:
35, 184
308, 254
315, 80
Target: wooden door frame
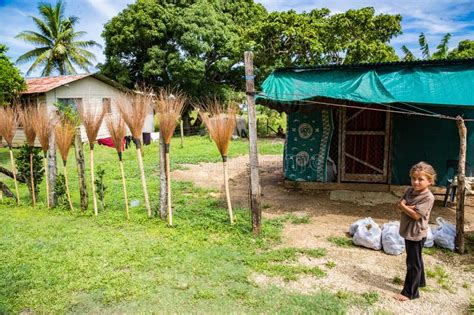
384, 177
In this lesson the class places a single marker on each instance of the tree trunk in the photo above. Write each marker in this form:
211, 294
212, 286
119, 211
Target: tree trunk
253, 152
459, 241
52, 169
163, 182
6, 191
81, 170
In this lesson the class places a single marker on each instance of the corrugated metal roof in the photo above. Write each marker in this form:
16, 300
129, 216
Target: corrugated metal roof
374, 65
46, 84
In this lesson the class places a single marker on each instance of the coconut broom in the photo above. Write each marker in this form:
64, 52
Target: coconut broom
64, 133
8, 126
134, 109
42, 126
27, 115
169, 107
92, 119
116, 127
221, 125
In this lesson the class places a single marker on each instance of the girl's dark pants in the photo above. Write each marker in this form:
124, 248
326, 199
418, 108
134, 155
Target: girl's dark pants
415, 277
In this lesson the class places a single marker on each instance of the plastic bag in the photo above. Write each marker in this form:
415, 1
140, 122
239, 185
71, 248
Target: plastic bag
445, 234
356, 224
429, 238
368, 235
392, 242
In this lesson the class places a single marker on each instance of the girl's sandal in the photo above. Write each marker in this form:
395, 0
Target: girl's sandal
401, 298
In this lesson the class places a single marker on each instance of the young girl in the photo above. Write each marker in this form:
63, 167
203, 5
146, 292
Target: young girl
415, 207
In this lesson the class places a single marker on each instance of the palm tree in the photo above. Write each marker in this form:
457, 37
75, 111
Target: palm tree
57, 45
441, 49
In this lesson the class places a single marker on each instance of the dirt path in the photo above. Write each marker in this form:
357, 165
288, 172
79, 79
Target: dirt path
356, 270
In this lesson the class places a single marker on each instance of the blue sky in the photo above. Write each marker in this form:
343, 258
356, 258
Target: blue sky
433, 17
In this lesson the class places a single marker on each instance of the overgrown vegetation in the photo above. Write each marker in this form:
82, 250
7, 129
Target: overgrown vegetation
298, 219
100, 186
441, 277
22, 160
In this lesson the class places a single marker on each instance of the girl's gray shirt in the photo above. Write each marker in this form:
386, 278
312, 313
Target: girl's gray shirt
415, 230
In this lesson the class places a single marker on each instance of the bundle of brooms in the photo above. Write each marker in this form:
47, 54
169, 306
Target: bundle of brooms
220, 123
8, 126
116, 127
91, 119
134, 108
42, 126
169, 107
27, 116
64, 133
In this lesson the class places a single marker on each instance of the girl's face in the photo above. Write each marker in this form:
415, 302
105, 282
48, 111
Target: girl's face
419, 181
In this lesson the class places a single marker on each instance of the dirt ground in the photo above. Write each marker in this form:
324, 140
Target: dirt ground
356, 270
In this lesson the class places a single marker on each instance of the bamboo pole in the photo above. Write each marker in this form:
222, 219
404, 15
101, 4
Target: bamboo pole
32, 178
124, 186
181, 128
227, 193
67, 187
94, 197
168, 185
52, 169
45, 165
255, 190
143, 179
81, 170
459, 240
163, 180
14, 176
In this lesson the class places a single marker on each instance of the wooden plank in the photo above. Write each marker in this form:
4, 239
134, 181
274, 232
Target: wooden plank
364, 163
343, 143
339, 144
355, 115
336, 186
366, 178
459, 240
386, 144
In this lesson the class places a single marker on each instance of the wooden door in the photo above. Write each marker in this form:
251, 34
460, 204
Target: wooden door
365, 145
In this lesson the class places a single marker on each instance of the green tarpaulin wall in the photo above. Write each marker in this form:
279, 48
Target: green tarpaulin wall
434, 140
444, 87
447, 83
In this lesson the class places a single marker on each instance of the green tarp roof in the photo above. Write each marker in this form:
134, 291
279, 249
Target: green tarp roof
423, 82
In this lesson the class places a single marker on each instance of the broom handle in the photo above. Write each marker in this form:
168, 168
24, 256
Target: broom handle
168, 188
124, 185
67, 188
45, 163
32, 177
227, 193
94, 197
145, 189
14, 177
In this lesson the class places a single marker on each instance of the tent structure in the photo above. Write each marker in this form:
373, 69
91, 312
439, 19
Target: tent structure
366, 124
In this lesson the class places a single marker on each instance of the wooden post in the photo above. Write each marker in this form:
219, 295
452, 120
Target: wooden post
459, 241
81, 169
163, 180
253, 153
52, 169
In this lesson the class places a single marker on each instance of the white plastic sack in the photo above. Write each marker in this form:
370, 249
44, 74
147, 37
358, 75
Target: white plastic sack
445, 234
368, 235
356, 224
392, 242
429, 238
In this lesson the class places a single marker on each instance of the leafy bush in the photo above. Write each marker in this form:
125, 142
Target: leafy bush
22, 157
100, 186
60, 190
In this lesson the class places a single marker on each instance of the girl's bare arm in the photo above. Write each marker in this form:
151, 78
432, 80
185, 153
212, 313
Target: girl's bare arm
409, 210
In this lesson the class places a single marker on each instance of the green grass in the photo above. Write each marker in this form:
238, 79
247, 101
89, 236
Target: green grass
397, 280
303, 219
58, 261
330, 264
441, 277
340, 241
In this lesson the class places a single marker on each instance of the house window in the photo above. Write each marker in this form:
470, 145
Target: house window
107, 105
64, 103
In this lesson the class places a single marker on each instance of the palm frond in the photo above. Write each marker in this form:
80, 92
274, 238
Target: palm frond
442, 48
34, 38
425, 49
41, 59
35, 53
408, 54
44, 28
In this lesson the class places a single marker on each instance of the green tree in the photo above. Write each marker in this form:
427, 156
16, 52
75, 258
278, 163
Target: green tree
465, 49
58, 48
11, 81
193, 45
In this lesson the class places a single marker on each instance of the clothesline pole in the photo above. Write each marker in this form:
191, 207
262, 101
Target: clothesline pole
459, 241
